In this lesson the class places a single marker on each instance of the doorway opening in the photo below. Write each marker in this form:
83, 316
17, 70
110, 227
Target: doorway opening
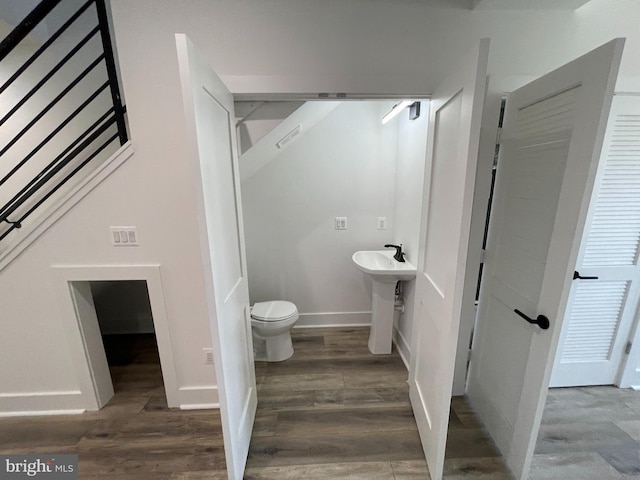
123, 310
76, 286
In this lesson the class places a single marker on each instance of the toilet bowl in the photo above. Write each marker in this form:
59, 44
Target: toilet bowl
271, 323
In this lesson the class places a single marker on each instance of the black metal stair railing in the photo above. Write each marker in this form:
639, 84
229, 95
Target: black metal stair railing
87, 144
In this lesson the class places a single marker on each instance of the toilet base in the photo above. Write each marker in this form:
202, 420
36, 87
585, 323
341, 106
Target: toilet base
277, 348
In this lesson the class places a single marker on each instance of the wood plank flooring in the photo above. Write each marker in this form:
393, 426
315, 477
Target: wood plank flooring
134, 437
335, 411
589, 433
332, 411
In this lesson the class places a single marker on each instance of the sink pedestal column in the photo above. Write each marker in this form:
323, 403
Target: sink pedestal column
382, 317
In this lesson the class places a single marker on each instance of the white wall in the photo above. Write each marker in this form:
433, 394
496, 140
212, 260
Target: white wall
366, 46
33, 317
377, 46
411, 155
343, 166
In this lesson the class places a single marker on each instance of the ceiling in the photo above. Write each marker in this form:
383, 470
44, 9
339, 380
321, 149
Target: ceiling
527, 4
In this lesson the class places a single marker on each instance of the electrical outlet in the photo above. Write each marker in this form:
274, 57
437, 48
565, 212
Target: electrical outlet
207, 356
124, 236
382, 223
341, 223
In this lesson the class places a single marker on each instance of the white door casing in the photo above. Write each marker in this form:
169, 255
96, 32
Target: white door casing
551, 141
601, 312
210, 130
72, 288
454, 131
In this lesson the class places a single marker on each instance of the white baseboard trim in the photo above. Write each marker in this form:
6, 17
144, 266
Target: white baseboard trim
196, 398
200, 406
41, 403
41, 413
333, 319
403, 347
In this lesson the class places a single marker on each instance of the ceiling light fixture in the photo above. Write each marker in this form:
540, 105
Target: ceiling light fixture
414, 111
395, 110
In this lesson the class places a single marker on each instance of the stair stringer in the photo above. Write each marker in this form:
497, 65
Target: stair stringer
265, 149
32, 230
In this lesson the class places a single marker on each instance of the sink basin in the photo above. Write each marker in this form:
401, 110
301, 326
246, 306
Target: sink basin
385, 271
383, 267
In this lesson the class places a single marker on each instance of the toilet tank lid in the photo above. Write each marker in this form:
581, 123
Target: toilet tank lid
274, 310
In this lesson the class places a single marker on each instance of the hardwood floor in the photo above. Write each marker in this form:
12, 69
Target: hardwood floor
135, 436
336, 411
589, 433
332, 411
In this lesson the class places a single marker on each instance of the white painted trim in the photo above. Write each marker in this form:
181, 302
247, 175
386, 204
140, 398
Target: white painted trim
333, 319
266, 148
41, 403
196, 398
41, 413
63, 275
201, 406
34, 229
404, 349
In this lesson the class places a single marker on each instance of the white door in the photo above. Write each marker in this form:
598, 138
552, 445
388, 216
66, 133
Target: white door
454, 129
601, 310
552, 136
210, 127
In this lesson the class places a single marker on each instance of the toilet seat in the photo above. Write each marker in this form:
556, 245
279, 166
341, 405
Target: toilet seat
273, 311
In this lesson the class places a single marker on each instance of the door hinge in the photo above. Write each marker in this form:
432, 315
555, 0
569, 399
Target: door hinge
627, 349
469, 355
483, 255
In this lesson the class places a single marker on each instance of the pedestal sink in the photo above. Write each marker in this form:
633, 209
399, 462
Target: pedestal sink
385, 272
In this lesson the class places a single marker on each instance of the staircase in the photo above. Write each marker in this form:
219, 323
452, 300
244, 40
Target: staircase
61, 114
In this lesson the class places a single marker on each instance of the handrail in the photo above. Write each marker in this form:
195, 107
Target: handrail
51, 104
25, 27
48, 76
85, 146
18, 223
46, 140
52, 168
110, 63
19, 198
45, 46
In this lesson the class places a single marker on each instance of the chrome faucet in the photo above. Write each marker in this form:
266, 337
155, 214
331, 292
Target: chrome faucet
399, 256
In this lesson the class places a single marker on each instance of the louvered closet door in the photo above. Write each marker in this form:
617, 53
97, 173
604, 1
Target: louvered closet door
601, 312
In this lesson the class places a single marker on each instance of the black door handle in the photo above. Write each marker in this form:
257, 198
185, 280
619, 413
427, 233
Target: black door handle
576, 275
541, 320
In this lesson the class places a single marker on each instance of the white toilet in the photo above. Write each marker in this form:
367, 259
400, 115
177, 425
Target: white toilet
271, 323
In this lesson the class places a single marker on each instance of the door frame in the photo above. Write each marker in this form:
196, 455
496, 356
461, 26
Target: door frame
628, 362
488, 133
83, 332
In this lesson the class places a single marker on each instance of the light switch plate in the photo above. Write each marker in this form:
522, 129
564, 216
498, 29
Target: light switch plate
124, 236
341, 223
207, 356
